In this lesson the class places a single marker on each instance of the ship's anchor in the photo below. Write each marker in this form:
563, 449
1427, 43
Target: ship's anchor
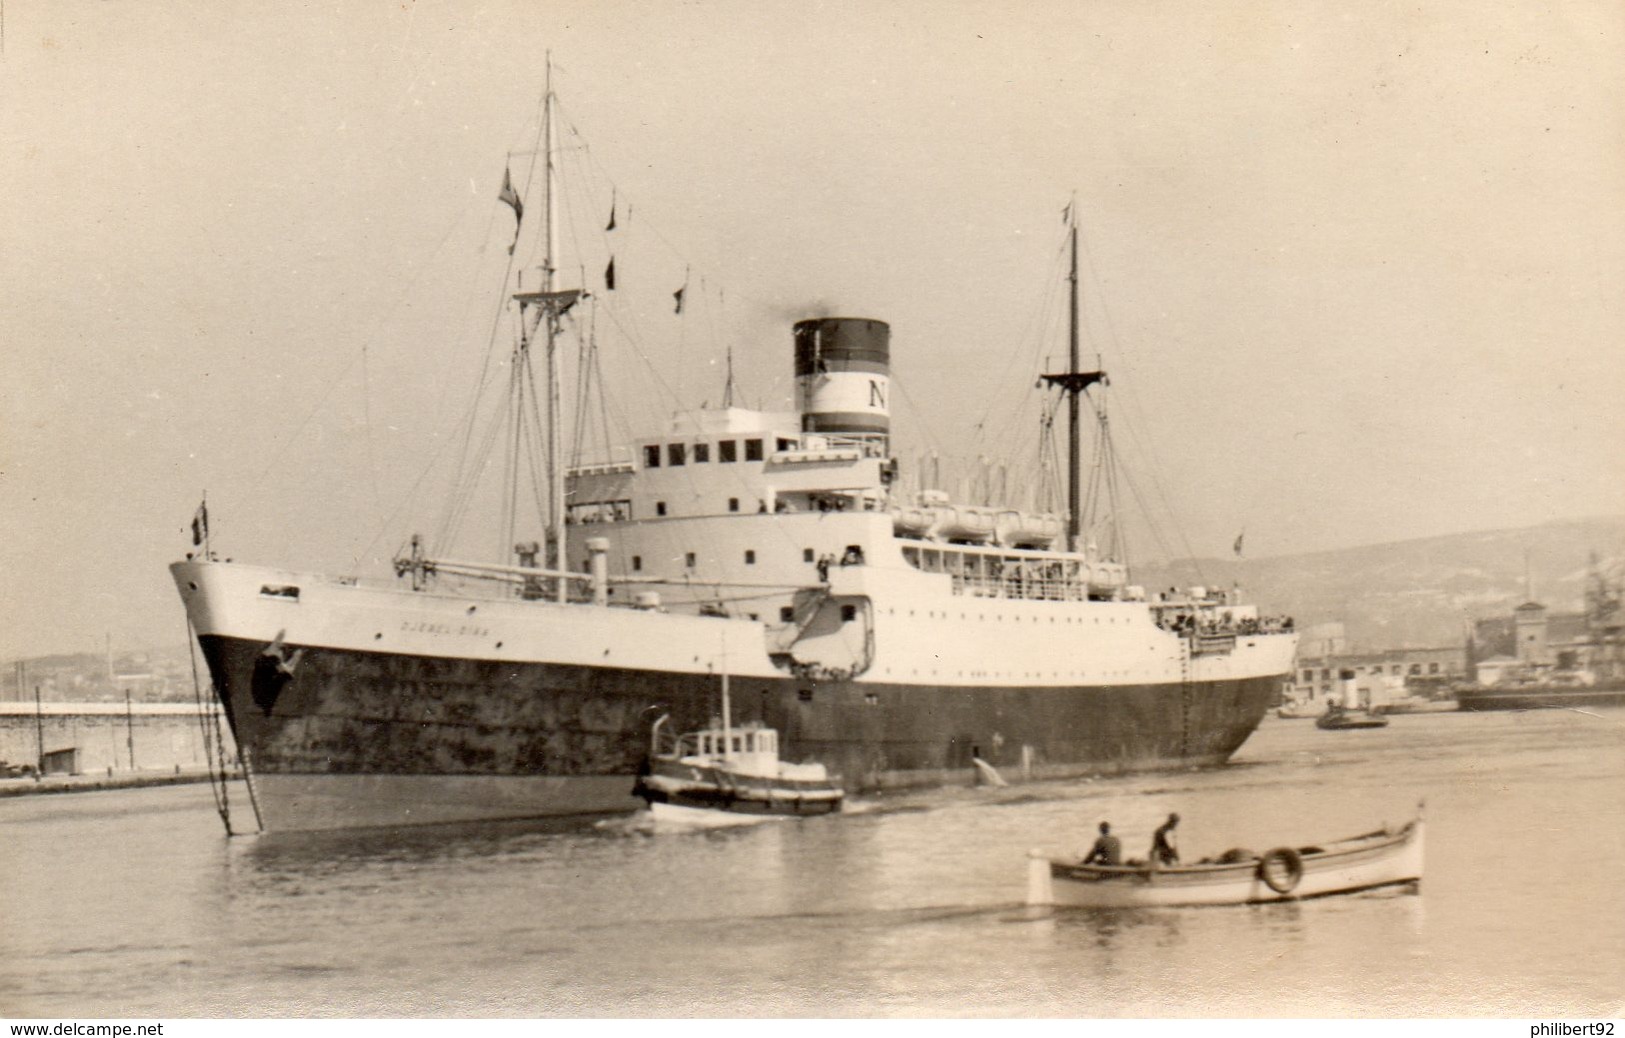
273, 670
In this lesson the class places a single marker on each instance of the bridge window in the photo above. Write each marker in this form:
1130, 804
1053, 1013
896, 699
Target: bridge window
807, 554
651, 456
753, 450
750, 556
786, 614
733, 502
785, 444
660, 508
702, 453
727, 450
688, 560
637, 563
674, 453
849, 613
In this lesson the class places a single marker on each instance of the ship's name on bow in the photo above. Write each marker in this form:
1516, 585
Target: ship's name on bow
423, 627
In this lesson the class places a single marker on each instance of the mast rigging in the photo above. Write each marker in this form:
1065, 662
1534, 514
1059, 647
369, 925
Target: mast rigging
1072, 382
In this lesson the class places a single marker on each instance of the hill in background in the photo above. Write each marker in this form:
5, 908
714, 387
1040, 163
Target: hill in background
1415, 594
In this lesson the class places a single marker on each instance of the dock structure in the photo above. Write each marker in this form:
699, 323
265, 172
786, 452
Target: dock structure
107, 738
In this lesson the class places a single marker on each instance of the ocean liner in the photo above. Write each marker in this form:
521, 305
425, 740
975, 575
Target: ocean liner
899, 639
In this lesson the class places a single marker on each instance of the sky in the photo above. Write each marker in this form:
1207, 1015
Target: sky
1355, 271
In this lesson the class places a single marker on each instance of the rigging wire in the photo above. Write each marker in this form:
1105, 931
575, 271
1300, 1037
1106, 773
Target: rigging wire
1035, 317
1144, 447
625, 319
538, 433
319, 406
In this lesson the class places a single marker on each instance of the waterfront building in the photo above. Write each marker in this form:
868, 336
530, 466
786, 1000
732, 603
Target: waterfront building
1380, 676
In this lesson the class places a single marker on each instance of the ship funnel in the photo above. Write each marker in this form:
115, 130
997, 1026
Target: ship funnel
1351, 691
843, 375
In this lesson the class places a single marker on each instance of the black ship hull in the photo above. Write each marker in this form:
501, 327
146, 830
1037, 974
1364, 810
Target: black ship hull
350, 738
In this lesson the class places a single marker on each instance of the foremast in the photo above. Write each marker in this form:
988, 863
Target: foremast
542, 310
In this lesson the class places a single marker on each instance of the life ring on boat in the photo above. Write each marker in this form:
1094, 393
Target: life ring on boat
1281, 869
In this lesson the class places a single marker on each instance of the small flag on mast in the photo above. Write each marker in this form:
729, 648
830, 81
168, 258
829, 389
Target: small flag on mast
1239, 538
511, 197
611, 226
609, 275
678, 295
200, 524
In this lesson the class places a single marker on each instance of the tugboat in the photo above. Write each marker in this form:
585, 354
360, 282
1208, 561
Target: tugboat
1348, 713
697, 776
735, 770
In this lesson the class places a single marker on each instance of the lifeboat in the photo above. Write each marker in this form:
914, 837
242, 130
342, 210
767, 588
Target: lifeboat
1029, 529
966, 524
1106, 577
911, 521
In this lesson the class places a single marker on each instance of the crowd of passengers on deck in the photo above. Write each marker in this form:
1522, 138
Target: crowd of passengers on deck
1222, 624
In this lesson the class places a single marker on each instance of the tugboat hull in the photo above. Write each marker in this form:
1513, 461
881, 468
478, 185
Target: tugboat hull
718, 789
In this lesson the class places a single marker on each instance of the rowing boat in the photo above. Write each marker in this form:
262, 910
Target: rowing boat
1384, 858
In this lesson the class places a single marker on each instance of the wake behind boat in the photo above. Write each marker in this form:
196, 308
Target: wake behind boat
1340, 718
1383, 858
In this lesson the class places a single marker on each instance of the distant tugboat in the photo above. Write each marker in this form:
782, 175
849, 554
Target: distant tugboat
1348, 713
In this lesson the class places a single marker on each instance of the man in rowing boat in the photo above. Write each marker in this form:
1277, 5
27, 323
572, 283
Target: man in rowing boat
1106, 851
1164, 851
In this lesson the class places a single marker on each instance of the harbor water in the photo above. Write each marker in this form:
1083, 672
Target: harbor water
135, 903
